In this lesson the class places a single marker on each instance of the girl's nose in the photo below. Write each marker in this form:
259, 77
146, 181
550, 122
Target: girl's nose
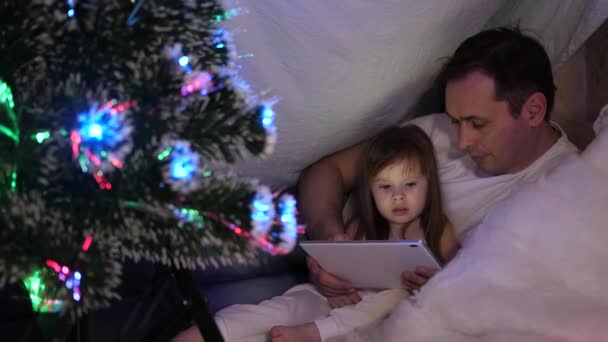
399, 194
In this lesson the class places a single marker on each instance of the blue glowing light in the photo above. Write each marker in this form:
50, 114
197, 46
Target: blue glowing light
183, 61
99, 139
184, 162
100, 126
220, 37
71, 11
76, 297
267, 116
289, 222
262, 212
181, 170
77, 275
95, 131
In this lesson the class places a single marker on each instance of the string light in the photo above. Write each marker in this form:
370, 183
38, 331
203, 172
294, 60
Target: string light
165, 153
220, 37
6, 100
72, 278
229, 14
183, 168
100, 140
183, 61
202, 81
71, 11
267, 116
262, 212
188, 216
36, 288
40, 137
288, 218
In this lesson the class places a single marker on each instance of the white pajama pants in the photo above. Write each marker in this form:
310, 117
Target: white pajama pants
303, 304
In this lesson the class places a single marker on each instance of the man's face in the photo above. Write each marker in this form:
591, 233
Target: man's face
493, 138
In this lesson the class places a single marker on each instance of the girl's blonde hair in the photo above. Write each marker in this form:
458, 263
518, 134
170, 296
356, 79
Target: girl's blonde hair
411, 144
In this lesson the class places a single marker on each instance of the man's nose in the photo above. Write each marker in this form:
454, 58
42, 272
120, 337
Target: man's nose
465, 138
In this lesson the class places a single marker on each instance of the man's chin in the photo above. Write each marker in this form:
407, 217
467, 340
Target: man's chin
486, 167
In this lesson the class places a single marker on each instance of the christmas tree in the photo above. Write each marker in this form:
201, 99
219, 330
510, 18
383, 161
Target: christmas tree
118, 124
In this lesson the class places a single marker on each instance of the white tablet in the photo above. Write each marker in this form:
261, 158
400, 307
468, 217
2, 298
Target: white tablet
370, 264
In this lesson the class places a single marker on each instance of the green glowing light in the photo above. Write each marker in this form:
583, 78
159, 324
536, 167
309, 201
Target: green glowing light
164, 154
6, 100
42, 136
35, 288
13, 181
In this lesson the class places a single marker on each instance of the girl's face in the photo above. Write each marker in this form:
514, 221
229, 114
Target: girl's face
399, 191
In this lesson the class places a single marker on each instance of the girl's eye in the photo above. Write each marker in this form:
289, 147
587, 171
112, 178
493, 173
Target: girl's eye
410, 184
385, 187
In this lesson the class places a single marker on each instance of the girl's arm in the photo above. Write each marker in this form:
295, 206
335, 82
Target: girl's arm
448, 244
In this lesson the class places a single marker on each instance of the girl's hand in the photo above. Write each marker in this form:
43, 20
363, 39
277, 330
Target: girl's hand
414, 280
340, 301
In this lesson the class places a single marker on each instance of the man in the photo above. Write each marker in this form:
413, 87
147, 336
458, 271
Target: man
494, 136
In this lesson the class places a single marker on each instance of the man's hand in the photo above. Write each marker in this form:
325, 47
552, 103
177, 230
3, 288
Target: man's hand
414, 280
339, 292
330, 285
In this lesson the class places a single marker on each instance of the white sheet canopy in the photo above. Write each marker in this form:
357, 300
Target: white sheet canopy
343, 69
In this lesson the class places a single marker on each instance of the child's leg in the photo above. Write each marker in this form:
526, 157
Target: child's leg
253, 322
372, 308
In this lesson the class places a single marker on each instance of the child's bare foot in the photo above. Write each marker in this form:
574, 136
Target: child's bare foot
300, 333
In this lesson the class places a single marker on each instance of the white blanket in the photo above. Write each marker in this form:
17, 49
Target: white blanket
535, 269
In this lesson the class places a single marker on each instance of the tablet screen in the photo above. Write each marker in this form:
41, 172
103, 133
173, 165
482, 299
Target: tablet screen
370, 264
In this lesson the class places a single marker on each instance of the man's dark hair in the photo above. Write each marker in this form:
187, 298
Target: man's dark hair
518, 64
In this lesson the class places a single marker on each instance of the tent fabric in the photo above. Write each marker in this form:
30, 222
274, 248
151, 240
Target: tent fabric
343, 70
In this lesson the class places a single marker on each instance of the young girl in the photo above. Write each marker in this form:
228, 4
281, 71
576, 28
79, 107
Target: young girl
398, 199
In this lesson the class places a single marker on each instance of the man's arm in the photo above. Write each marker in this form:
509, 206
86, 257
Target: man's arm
322, 188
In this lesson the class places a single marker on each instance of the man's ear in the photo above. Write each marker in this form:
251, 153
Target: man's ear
535, 109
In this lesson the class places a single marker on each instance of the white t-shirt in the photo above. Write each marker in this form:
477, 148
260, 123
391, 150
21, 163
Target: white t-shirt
467, 192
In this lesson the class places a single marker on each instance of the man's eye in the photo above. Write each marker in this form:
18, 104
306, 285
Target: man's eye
454, 121
478, 125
